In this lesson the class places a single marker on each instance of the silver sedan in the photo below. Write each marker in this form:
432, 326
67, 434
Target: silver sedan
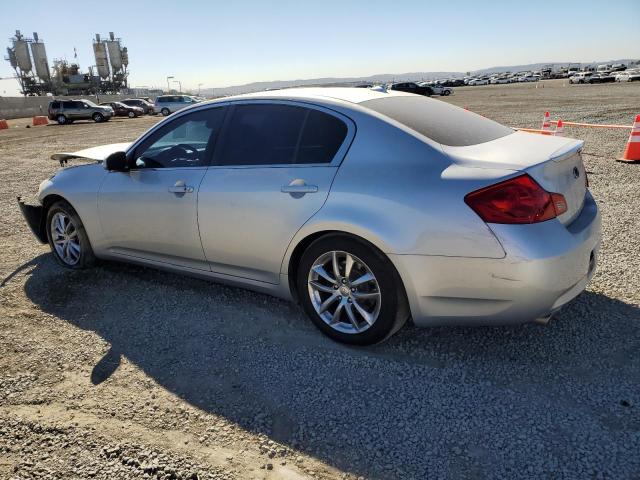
367, 207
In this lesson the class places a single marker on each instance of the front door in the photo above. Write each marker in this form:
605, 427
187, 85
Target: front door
272, 172
150, 212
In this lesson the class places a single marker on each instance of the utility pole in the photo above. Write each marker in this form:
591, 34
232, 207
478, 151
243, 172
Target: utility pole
168, 87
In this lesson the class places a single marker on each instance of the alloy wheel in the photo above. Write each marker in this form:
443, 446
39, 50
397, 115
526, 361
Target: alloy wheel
64, 236
344, 292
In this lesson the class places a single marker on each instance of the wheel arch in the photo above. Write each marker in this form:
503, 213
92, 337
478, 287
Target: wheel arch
47, 202
298, 247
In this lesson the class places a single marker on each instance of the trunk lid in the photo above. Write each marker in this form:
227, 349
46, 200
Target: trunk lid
554, 162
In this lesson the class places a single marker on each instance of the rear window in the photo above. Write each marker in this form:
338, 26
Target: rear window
54, 105
439, 121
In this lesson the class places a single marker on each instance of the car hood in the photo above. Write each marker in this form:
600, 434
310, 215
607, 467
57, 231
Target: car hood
94, 153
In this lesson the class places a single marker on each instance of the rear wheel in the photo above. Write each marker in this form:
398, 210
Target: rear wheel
61, 119
350, 290
98, 117
67, 237
165, 112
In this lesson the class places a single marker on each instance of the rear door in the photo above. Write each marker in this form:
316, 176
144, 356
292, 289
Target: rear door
272, 172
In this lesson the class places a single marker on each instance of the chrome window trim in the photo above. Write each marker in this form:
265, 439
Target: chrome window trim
335, 162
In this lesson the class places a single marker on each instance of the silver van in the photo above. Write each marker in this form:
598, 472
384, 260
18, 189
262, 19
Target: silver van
167, 104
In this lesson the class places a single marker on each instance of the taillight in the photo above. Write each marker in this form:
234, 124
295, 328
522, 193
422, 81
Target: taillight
517, 200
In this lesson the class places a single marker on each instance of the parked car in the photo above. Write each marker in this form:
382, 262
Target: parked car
478, 81
439, 89
122, 110
68, 111
580, 77
601, 78
144, 104
631, 75
168, 104
336, 197
412, 87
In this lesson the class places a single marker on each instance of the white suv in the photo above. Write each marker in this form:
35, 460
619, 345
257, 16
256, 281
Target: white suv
581, 77
167, 104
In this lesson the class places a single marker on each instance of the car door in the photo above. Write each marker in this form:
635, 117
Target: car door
150, 211
271, 172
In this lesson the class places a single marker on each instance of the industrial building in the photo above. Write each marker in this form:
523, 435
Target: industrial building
28, 58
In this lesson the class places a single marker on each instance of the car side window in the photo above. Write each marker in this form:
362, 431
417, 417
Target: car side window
322, 136
262, 134
277, 134
187, 141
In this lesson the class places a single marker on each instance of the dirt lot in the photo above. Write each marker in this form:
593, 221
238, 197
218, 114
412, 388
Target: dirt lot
127, 372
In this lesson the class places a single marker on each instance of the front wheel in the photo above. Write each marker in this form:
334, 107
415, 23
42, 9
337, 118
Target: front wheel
131, 114
446, 93
350, 290
67, 237
98, 117
165, 112
61, 119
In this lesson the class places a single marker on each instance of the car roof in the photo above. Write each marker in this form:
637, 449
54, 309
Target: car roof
345, 94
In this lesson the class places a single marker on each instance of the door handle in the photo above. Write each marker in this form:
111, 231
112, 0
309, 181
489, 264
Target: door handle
180, 187
298, 186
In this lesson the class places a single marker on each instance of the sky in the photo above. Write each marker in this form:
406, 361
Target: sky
231, 43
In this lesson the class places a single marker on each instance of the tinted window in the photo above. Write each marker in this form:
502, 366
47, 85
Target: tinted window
55, 105
161, 99
76, 105
264, 134
322, 136
441, 122
68, 104
185, 142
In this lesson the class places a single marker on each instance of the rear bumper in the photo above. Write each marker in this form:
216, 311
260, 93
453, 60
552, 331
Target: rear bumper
34, 216
546, 266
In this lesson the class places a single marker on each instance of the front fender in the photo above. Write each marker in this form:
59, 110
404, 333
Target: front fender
79, 186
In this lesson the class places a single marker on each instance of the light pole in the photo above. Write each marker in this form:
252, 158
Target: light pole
168, 87
199, 85
179, 83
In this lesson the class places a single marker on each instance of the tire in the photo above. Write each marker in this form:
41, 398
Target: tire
131, 114
69, 256
61, 119
383, 298
165, 112
446, 93
98, 117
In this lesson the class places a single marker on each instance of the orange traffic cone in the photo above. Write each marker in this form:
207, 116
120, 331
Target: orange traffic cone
559, 129
546, 124
632, 152
3, 124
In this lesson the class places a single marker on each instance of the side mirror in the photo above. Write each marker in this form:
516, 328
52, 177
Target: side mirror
117, 162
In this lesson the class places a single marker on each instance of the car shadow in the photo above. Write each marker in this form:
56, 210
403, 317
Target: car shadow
376, 411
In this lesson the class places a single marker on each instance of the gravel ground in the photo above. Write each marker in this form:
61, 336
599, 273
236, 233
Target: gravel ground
127, 372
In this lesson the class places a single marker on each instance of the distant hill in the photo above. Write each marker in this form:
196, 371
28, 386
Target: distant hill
326, 82
384, 78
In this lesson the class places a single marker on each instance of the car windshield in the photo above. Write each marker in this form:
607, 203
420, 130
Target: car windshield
90, 103
439, 121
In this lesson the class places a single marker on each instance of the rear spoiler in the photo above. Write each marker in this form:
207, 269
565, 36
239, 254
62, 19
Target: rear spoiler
96, 154
63, 158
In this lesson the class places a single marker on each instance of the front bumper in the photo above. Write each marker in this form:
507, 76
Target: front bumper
546, 266
34, 216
